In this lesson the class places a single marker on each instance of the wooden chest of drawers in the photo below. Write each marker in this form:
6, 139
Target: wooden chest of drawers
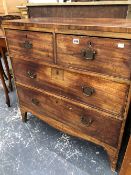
74, 74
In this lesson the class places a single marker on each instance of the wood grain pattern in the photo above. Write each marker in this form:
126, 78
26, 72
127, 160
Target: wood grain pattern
77, 11
102, 24
86, 99
42, 44
71, 115
112, 152
109, 58
108, 95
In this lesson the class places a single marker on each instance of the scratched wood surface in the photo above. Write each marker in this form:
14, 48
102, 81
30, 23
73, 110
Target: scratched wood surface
109, 57
108, 95
101, 24
71, 115
48, 63
17, 40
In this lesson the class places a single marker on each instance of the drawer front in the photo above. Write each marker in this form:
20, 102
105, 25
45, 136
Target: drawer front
86, 121
89, 90
30, 44
102, 55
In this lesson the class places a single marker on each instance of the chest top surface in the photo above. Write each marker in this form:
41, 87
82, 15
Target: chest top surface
90, 24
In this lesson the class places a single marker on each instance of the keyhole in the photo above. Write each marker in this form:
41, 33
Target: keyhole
57, 72
56, 101
90, 43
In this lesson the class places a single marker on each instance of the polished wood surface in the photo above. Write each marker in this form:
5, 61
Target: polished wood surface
86, 121
1, 34
108, 54
75, 75
2, 39
80, 25
108, 96
18, 39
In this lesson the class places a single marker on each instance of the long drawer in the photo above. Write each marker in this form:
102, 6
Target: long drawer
87, 89
30, 44
102, 55
86, 121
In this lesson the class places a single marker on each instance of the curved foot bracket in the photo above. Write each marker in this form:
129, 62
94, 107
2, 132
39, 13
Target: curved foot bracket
113, 156
24, 116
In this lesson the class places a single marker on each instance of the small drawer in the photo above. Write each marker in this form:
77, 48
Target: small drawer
102, 55
86, 121
90, 90
28, 44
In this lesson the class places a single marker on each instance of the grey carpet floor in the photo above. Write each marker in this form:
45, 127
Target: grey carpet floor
36, 148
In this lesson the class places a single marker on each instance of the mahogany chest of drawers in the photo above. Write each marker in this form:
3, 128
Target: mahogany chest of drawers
75, 75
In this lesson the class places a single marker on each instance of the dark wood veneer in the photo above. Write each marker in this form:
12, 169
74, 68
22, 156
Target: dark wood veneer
85, 11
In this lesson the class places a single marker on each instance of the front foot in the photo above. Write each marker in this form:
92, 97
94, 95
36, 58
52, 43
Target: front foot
113, 156
7, 99
24, 117
8, 102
